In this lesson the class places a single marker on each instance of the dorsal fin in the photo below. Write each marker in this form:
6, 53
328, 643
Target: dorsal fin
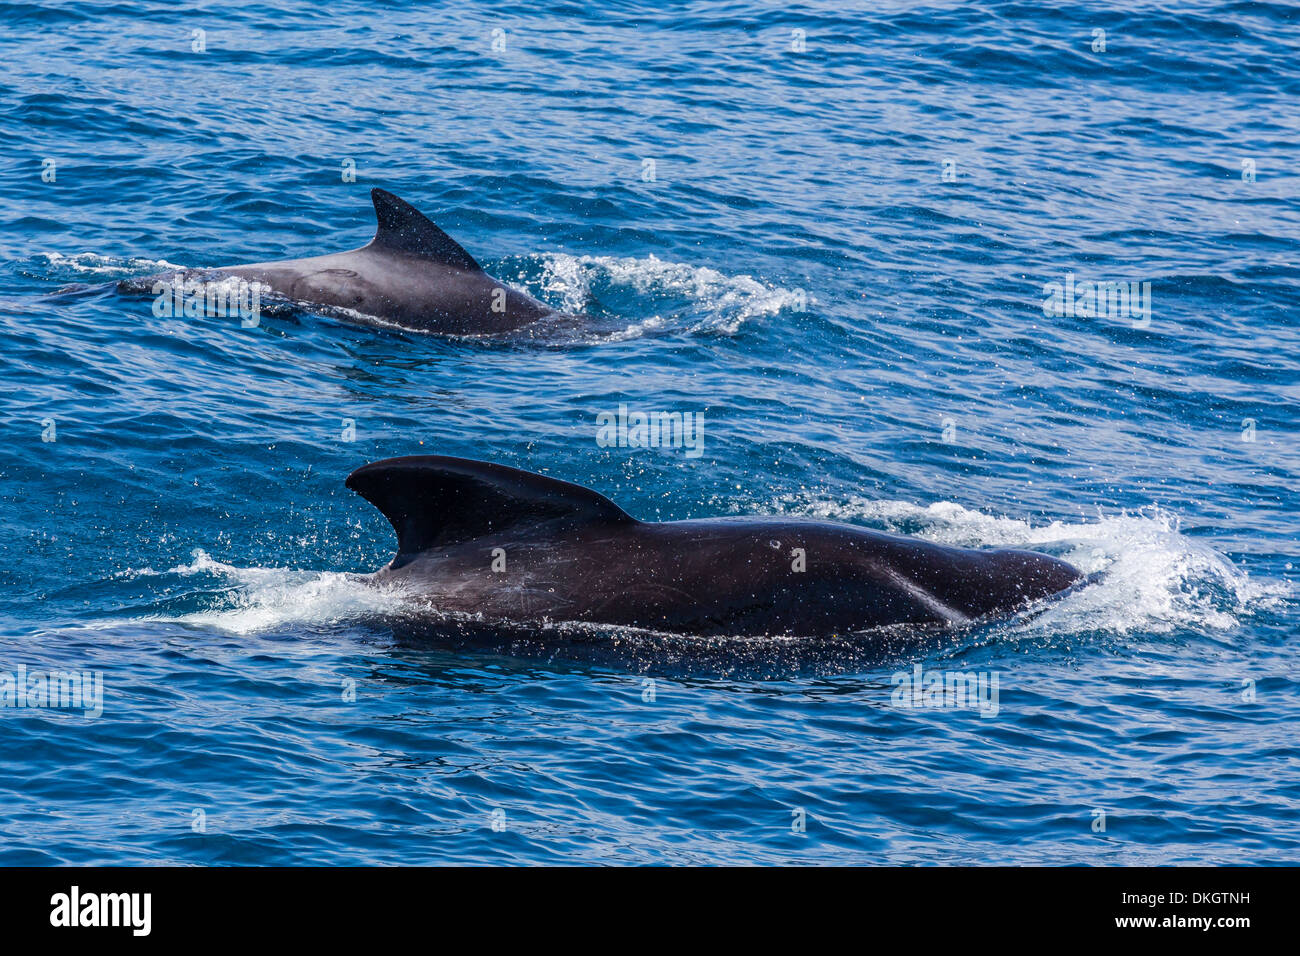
403, 228
433, 501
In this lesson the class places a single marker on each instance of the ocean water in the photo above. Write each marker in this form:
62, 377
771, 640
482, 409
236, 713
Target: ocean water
830, 230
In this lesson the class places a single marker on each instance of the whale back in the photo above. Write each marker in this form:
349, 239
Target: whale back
433, 501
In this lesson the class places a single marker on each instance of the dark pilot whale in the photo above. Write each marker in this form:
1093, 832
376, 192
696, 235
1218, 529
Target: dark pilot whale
411, 274
514, 546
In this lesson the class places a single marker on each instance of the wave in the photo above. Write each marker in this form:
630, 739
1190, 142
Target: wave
696, 298
255, 599
91, 265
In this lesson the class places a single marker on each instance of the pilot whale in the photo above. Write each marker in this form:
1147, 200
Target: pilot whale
513, 546
411, 274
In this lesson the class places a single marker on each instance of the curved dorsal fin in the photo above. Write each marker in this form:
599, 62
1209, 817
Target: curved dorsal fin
403, 228
433, 501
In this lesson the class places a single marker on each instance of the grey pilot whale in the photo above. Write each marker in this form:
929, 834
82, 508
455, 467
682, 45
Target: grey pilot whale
411, 275
512, 546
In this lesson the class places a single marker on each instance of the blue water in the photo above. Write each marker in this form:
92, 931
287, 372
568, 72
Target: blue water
839, 260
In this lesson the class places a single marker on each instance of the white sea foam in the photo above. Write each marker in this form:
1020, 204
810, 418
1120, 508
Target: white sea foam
718, 301
93, 265
248, 600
